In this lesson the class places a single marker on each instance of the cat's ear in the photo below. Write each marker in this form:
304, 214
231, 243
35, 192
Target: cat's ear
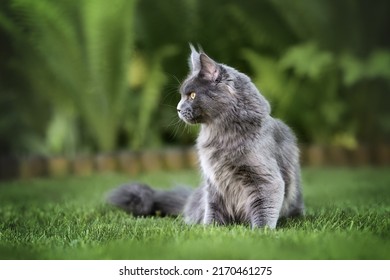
194, 60
209, 69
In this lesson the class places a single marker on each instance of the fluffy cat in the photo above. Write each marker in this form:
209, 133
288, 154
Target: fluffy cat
249, 160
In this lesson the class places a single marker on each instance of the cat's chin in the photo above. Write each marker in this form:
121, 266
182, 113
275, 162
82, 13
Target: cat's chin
188, 121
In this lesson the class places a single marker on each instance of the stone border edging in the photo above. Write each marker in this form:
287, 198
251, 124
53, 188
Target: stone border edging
171, 159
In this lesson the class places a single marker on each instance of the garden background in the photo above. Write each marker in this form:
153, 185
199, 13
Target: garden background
88, 95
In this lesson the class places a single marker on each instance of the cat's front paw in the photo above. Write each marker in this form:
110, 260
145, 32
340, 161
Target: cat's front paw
271, 224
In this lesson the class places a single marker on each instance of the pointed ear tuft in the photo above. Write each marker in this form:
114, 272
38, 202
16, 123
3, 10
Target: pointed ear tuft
193, 60
209, 69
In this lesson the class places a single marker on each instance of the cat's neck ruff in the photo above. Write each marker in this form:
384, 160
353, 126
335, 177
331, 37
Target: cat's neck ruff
231, 127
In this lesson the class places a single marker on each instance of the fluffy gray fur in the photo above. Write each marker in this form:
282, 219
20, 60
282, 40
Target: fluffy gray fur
249, 160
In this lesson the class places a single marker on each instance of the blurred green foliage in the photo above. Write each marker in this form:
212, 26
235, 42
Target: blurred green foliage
79, 76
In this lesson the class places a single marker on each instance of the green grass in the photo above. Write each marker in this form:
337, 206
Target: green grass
347, 218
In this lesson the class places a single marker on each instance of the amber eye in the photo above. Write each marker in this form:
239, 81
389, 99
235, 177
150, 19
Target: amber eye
192, 95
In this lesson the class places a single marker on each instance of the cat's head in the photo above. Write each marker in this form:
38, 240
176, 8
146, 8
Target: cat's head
214, 91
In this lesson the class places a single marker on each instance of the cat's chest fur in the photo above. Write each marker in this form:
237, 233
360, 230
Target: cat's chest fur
219, 159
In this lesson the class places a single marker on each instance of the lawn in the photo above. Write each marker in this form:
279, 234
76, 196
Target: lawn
347, 217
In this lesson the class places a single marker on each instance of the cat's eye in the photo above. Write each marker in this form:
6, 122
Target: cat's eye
192, 95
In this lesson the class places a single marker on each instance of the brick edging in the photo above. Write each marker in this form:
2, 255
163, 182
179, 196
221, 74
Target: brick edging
171, 159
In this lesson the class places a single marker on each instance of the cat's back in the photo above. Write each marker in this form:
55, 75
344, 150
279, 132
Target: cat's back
285, 143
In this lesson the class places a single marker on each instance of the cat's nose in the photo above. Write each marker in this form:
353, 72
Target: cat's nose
180, 105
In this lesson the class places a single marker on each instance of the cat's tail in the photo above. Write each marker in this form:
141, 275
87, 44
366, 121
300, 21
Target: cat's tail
142, 200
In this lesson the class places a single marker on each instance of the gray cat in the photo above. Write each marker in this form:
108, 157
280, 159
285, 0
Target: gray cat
249, 160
